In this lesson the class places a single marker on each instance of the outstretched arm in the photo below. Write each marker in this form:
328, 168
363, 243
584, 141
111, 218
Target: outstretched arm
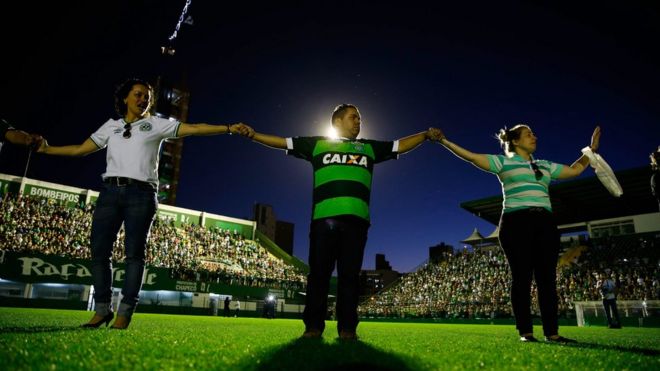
411, 142
83, 149
272, 141
581, 163
186, 129
22, 138
477, 159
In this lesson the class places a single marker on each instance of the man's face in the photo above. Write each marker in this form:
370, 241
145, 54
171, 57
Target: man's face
349, 125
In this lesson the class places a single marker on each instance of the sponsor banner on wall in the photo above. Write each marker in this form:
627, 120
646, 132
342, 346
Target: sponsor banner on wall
71, 199
41, 268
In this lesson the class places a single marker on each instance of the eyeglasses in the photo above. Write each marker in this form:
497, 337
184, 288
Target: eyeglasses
537, 172
127, 132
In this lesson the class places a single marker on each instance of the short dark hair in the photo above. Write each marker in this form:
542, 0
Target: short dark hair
507, 136
340, 110
122, 90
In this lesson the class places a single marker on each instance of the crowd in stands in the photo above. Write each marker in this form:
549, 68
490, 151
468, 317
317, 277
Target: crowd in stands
476, 284
632, 262
462, 285
465, 284
41, 225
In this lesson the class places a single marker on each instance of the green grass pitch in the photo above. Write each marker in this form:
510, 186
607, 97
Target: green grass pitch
40, 339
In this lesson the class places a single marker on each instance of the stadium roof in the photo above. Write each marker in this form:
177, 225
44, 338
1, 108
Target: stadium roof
475, 236
494, 235
585, 199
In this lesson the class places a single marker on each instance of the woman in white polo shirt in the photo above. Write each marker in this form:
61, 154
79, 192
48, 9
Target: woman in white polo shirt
528, 233
128, 194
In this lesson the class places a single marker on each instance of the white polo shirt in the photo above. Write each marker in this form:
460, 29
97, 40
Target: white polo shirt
135, 157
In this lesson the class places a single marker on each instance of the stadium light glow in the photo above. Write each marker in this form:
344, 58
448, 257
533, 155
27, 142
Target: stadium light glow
331, 132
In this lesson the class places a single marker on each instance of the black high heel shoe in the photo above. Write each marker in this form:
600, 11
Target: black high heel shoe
121, 323
97, 321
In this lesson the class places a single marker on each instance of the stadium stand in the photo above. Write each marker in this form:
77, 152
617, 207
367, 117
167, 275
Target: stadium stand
41, 225
620, 237
195, 259
475, 284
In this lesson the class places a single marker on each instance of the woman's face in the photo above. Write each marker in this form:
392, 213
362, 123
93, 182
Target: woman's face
138, 100
526, 142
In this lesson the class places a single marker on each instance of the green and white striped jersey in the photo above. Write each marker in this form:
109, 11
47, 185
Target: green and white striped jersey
520, 186
343, 171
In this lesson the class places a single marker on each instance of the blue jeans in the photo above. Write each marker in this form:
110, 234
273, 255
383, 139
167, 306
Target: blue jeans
134, 205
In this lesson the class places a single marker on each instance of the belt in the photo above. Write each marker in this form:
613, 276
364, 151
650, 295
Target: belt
121, 181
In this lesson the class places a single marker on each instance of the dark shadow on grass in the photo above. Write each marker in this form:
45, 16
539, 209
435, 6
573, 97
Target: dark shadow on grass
315, 354
617, 348
37, 329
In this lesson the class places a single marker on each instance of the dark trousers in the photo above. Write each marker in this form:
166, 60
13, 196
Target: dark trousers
530, 240
341, 240
611, 311
134, 205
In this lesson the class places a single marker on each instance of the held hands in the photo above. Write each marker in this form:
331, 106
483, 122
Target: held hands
242, 129
34, 141
595, 139
435, 135
41, 146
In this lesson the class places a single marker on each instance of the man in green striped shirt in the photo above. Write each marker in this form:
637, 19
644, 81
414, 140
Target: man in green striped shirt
343, 169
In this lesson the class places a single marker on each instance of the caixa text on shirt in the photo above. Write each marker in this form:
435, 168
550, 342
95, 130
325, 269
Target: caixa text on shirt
38, 267
343, 158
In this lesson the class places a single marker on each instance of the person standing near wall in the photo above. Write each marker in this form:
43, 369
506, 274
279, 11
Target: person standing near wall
227, 310
608, 291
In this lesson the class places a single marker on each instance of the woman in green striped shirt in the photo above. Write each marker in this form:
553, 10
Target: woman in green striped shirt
528, 233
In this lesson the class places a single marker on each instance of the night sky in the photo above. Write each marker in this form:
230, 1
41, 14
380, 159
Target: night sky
281, 67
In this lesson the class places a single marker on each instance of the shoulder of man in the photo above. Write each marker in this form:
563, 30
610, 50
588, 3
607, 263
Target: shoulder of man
374, 141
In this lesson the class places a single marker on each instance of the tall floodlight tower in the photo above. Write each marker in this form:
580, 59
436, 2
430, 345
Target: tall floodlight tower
172, 102
172, 99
